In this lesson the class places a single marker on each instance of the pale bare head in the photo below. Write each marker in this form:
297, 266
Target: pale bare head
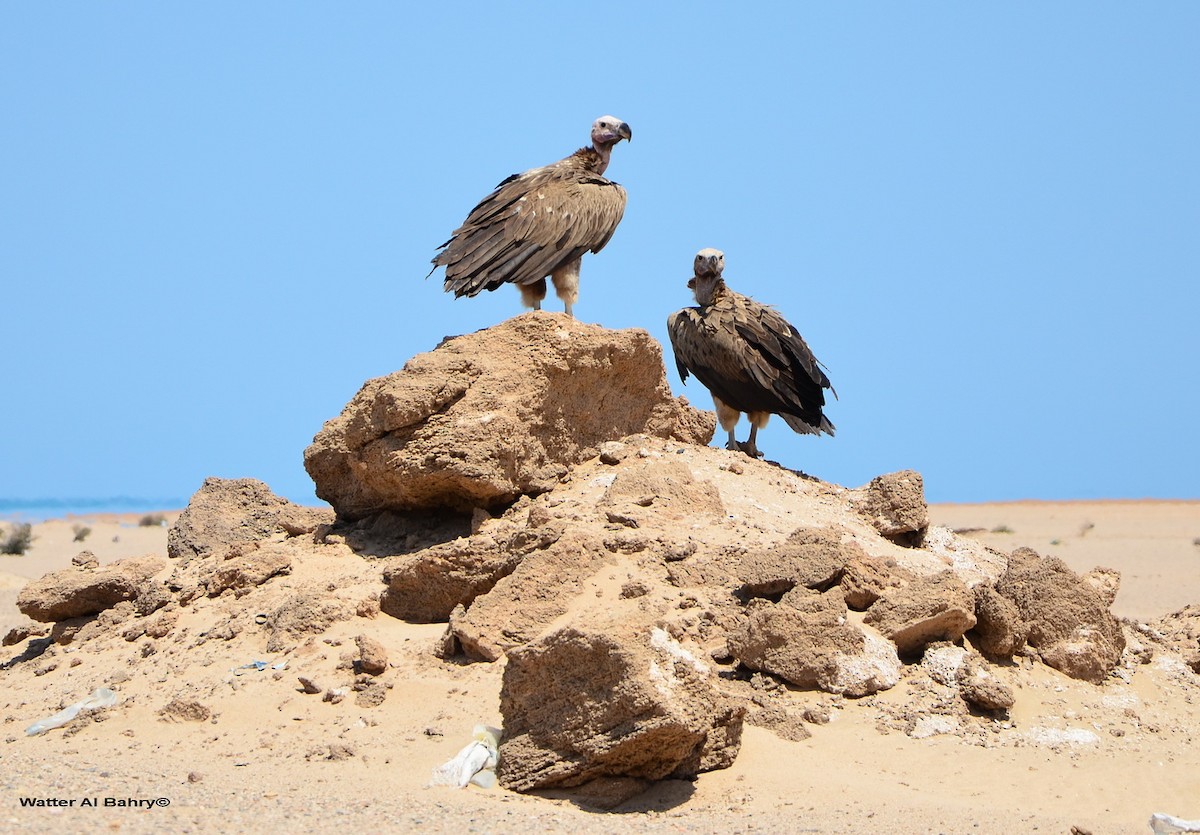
608, 131
708, 266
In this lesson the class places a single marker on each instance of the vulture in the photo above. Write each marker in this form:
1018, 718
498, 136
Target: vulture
539, 224
748, 357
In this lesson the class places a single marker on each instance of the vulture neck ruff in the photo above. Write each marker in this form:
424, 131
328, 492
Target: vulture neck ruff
594, 159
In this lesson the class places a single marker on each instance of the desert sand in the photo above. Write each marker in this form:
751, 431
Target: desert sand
1100, 758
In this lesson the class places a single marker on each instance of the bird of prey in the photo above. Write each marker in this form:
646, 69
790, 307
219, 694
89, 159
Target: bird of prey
748, 357
539, 224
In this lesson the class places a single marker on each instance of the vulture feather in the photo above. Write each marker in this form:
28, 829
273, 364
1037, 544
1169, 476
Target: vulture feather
748, 357
539, 224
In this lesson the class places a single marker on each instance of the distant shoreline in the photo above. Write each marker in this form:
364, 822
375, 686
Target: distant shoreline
19, 510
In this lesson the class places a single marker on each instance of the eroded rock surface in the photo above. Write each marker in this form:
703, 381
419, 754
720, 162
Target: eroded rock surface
1067, 617
492, 415
228, 512
79, 592
614, 700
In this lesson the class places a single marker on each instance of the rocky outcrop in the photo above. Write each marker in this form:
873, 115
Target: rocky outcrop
528, 600
611, 700
806, 640
493, 415
1065, 615
923, 611
227, 512
999, 631
244, 567
78, 592
894, 503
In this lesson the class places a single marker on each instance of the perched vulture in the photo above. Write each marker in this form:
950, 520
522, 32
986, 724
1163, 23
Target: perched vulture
539, 224
748, 356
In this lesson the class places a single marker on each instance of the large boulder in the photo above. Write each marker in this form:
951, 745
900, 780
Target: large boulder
490, 416
83, 589
611, 700
226, 512
1066, 615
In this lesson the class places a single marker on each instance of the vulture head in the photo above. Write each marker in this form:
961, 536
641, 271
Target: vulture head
708, 266
607, 131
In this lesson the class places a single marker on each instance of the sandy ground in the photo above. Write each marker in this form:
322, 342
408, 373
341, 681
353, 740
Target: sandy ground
1101, 759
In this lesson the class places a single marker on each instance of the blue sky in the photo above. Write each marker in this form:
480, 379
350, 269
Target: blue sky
985, 219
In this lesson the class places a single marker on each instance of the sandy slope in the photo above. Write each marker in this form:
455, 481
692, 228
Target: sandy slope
1099, 758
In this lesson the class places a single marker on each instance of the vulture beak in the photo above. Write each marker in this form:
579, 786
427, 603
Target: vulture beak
625, 132
692, 283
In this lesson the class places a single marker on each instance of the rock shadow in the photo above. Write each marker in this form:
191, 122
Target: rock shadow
624, 795
395, 533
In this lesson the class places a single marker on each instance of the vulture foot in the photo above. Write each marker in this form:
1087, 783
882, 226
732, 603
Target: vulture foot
750, 449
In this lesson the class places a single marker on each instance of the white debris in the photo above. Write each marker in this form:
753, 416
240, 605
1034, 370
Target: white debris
476, 763
102, 697
1160, 823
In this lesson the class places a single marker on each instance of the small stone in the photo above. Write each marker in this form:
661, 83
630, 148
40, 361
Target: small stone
372, 656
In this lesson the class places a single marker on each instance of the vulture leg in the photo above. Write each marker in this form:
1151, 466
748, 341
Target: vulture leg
757, 421
532, 294
566, 283
750, 447
728, 418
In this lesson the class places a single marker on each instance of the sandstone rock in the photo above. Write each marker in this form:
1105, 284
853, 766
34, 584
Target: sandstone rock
1180, 631
150, 596
228, 512
525, 602
1106, 581
427, 586
489, 416
866, 578
944, 662
22, 631
894, 503
185, 710
927, 609
77, 592
611, 700
246, 567
811, 558
372, 657
981, 689
999, 631
86, 560
806, 640
1067, 618
302, 613
614, 452
663, 490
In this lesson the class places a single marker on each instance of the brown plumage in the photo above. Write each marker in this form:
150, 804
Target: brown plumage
748, 357
539, 224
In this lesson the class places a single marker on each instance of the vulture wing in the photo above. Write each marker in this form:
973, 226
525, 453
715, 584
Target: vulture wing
532, 224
